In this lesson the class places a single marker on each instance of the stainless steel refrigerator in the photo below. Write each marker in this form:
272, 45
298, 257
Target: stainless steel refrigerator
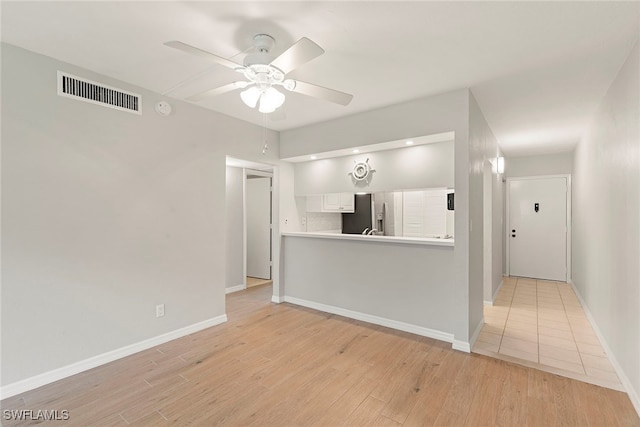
361, 219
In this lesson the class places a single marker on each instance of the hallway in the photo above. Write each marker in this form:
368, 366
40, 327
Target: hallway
542, 325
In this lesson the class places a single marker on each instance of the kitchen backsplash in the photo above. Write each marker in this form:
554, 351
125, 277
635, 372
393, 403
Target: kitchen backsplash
321, 221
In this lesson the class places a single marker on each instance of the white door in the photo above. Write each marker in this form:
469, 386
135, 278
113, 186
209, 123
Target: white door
538, 228
258, 206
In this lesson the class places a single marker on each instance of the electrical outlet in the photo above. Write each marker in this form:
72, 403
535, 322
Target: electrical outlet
159, 310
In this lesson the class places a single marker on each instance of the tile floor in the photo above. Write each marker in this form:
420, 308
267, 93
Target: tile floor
542, 324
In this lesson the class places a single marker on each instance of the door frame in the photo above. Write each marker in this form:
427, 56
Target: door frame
508, 218
254, 172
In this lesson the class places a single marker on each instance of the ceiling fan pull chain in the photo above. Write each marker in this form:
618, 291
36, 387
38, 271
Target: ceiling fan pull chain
265, 147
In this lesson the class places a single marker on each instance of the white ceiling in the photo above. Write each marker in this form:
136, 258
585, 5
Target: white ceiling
537, 69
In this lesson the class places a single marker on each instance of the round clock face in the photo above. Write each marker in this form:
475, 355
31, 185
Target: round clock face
163, 108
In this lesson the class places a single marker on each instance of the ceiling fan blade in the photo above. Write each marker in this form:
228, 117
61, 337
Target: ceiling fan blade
302, 51
218, 91
204, 54
322, 93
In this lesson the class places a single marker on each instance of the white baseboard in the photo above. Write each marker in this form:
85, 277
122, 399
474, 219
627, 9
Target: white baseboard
235, 288
101, 359
277, 299
631, 392
476, 333
495, 294
376, 320
461, 346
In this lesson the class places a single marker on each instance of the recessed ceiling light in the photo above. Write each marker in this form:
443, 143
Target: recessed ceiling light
409, 142
313, 157
355, 150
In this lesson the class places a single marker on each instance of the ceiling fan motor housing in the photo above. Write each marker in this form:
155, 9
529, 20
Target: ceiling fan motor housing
263, 44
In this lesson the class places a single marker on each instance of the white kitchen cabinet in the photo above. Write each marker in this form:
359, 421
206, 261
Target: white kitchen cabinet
331, 202
424, 213
347, 202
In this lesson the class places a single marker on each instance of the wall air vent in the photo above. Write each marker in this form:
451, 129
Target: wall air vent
96, 93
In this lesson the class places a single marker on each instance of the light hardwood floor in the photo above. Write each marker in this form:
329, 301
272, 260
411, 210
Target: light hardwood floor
256, 281
281, 365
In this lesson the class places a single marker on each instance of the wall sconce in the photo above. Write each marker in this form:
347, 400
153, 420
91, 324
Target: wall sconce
497, 165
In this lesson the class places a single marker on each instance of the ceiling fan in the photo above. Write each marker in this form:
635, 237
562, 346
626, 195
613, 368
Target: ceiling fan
264, 74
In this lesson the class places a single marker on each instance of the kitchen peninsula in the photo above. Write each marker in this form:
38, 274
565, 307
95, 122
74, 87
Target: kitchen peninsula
398, 282
374, 238
402, 276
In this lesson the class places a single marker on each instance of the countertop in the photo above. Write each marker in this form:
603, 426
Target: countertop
373, 238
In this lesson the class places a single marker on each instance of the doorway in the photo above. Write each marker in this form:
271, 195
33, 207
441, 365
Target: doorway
251, 218
538, 227
258, 202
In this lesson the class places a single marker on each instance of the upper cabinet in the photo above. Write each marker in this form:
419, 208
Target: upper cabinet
332, 202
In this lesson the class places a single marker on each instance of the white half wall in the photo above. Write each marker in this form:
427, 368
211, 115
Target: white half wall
606, 222
410, 284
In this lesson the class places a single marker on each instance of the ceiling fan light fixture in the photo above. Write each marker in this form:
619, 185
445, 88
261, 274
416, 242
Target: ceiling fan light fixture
289, 84
250, 96
270, 100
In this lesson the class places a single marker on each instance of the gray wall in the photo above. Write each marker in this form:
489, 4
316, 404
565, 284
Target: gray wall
234, 227
405, 283
549, 164
424, 166
435, 114
106, 214
482, 147
606, 217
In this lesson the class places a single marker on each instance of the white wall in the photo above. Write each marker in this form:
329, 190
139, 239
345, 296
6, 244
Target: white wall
548, 164
483, 146
291, 207
234, 227
289, 210
435, 114
106, 214
606, 217
498, 231
424, 166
